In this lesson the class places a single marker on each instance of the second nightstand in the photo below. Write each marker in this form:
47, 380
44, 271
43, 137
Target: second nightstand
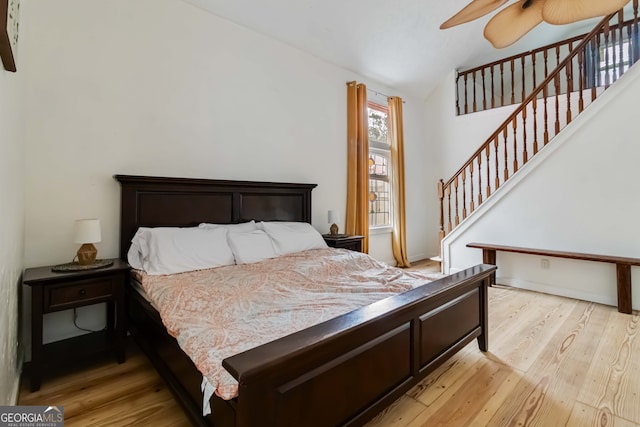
344, 241
51, 291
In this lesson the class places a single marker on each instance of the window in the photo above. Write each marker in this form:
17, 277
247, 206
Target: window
604, 64
614, 61
379, 163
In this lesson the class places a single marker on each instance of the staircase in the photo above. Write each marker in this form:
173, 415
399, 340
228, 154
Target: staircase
589, 68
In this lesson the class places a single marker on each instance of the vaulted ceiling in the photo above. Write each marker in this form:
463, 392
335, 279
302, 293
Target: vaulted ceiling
396, 43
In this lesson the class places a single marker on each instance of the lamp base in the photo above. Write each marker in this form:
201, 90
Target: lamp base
333, 229
87, 254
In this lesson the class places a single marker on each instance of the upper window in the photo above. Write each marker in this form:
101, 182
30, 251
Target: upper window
614, 61
379, 163
605, 63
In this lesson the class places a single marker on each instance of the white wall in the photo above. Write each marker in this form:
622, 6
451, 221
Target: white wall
159, 87
11, 228
579, 194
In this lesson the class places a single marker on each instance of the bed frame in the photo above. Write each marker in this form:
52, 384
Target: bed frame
340, 372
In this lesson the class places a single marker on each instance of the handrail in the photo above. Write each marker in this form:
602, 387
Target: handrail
548, 47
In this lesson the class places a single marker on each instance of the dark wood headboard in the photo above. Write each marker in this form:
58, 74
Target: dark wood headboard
183, 202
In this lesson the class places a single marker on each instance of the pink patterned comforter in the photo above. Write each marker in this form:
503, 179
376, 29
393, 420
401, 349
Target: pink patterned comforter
220, 312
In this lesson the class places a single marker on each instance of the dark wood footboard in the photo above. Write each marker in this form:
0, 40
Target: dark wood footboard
346, 370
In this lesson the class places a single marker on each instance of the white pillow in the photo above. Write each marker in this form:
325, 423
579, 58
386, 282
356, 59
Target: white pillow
290, 237
254, 246
169, 250
138, 249
242, 227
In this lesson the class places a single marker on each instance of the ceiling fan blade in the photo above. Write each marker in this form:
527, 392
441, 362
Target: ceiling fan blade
511, 23
474, 10
566, 11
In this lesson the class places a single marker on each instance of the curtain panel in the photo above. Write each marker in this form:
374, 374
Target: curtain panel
396, 133
357, 215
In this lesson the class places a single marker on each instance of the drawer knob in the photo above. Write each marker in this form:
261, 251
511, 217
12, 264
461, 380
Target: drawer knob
82, 292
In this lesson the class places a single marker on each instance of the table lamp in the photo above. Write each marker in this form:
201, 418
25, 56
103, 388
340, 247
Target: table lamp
87, 232
333, 218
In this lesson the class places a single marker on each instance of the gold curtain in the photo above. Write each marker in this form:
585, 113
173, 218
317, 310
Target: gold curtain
357, 215
396, 133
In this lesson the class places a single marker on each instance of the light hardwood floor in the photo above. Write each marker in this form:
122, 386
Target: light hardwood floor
553, 361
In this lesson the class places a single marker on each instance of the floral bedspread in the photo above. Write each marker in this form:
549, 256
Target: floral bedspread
220, 312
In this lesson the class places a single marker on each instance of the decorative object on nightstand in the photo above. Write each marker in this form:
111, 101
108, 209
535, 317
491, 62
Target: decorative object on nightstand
333, 218
51, 292
87, 232
344, 241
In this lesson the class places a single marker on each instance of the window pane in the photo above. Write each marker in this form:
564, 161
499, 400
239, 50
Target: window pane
378, 165
379, 203
378, 128
610, 69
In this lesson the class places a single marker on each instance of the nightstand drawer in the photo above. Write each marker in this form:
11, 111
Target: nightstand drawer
343, 241
85, 292
352, 245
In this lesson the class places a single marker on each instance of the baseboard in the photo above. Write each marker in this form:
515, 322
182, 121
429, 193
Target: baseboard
554, 290
15, 393
414, 258
418, 257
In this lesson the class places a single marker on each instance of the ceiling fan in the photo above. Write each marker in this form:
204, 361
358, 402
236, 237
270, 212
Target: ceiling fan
514, 21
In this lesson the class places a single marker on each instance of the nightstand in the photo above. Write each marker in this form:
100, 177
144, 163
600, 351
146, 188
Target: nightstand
52, 291
344, 241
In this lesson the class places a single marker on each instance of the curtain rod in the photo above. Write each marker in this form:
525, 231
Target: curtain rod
380, 93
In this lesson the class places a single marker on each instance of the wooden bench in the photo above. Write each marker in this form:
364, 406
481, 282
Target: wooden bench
623, 265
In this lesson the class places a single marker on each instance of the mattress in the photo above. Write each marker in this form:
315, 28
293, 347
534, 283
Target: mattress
220, 312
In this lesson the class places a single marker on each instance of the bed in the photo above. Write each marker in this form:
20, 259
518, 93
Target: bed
322, 375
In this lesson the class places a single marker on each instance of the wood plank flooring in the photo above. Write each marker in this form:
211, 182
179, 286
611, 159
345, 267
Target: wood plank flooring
553, 361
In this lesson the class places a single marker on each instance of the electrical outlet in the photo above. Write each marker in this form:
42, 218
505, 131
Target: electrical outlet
544, 263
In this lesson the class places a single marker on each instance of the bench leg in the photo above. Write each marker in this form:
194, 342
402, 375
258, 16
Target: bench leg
623, 273
489, 257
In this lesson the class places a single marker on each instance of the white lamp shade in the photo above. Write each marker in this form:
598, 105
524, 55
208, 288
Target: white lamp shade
86, 231
333, 217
